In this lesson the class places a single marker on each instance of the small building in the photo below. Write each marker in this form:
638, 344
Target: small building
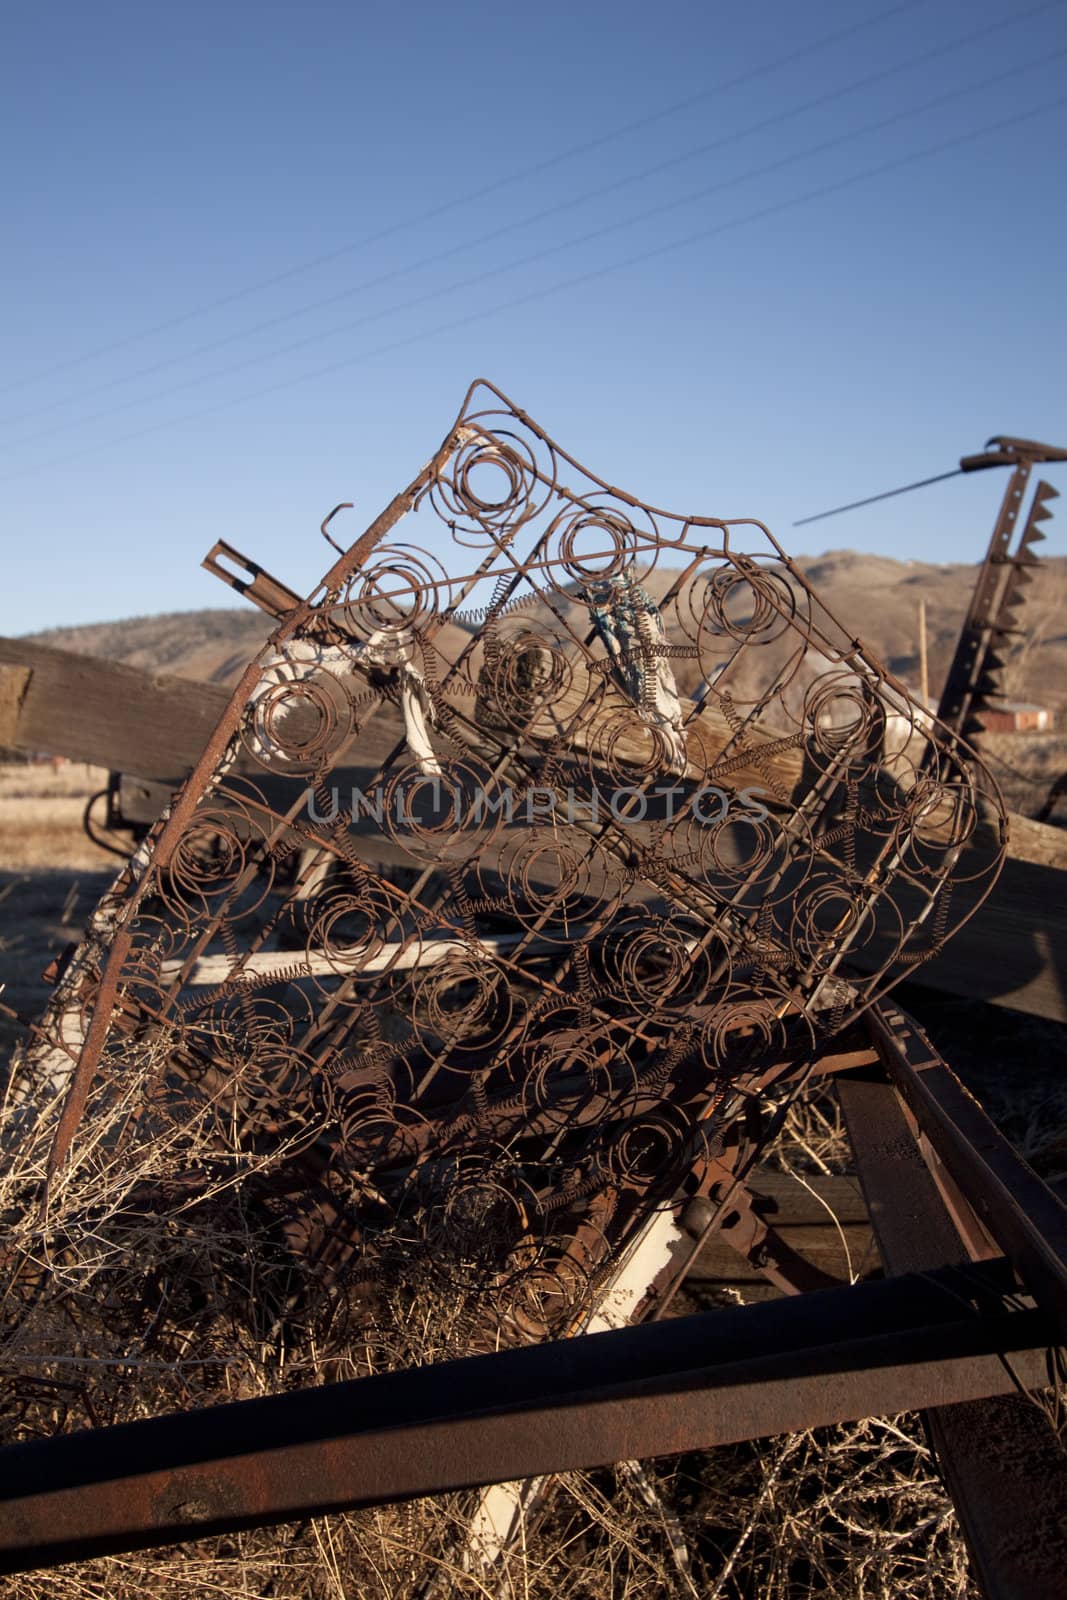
1017, 716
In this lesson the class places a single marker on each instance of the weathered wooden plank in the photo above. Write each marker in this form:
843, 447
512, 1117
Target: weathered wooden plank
14, 681
1014, 952
796, 1210
153, 726
109, 714
717, 1263
1037, 842
788, 1202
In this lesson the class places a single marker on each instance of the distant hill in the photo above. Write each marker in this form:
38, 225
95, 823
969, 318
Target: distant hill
875, 597
211, 646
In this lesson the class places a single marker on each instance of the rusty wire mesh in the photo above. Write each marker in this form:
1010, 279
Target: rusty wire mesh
542, 837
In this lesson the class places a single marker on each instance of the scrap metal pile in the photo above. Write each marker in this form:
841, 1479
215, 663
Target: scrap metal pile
627, 913
497, 998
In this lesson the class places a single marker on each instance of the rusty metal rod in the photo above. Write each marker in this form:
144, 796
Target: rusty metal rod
999, 1456
1025, 1216
656, 1389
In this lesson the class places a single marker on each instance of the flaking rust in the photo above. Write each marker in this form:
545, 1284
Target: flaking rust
647, 804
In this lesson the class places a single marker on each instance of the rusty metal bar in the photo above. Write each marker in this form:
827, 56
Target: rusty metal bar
974, 666
187, 799
259, 586
999, 1456
965, 668
656, 1389
1022, 1213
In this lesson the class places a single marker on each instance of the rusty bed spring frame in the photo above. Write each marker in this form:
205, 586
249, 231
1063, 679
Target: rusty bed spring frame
501, 1032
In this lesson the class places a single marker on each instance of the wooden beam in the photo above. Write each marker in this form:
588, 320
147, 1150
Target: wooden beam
1013, 953
150, 725
1037, 842
110, 715
14, 681
798, 1213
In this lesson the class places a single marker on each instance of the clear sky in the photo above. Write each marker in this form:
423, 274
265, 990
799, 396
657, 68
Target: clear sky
742, 260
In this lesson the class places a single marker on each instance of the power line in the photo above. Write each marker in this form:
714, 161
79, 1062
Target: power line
575, 281
531, 258
887, 494
596, 193
519, 176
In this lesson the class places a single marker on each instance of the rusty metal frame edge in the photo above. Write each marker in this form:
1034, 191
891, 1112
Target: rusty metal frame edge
659, 1388
999, 1457
1025, 1216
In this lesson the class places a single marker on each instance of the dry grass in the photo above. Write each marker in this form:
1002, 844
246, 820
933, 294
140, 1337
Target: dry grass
813, 1138
113, 1308
41, 810
117, 1304
855, 1511
46, 780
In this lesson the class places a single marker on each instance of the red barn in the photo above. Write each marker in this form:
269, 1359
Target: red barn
1017, 716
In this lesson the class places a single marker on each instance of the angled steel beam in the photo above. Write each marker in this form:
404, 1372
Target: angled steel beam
999, 1457
656, 1389
1025, 1216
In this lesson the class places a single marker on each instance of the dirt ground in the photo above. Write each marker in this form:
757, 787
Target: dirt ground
51, 875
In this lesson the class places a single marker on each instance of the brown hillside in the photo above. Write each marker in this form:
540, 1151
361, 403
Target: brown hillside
874, 597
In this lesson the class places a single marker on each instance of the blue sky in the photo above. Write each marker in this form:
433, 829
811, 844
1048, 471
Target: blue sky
255, 253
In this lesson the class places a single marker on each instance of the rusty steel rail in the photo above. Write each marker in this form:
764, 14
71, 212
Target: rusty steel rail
999, 1457
510, 1062
656, 1389
1025, 1216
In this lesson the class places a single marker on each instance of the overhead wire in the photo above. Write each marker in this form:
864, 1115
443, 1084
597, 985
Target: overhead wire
532, 258
887, 494
577, 280
534, 169
599, 191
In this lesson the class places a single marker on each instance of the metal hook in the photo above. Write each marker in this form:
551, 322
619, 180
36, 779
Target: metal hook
346, 505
